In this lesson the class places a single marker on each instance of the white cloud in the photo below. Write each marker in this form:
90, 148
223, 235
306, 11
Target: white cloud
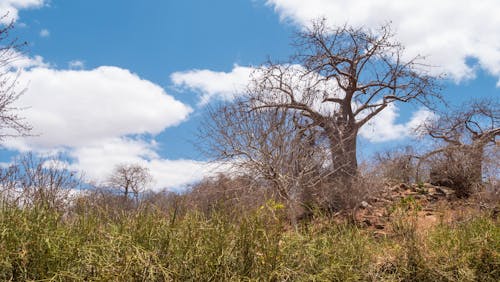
448, 32
98, 161
225, 86
76, 64
70, 108
44, 33
11, 8
214, 85
100, 118
13, 61
384, 126
176, 174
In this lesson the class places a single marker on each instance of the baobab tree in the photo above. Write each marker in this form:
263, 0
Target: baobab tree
466, 133
338, 81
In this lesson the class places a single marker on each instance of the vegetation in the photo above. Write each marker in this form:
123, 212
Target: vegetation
153, 244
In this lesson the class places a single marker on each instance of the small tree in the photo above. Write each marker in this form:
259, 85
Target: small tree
271, 145
397, 164
130, 179
38, 181
11, 124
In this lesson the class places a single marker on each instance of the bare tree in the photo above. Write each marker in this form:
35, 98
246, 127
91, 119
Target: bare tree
339, 80
11, 123
38, 181
397, 164
271, 145
130, 179
466, 133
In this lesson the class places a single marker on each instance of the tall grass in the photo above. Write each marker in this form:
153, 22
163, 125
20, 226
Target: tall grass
41, 244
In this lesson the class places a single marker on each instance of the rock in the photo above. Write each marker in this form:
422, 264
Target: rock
365, 205
432, 191
432, 198
445, 191
428, 185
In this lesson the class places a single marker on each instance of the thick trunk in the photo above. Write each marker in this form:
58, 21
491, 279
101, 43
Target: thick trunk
344, 159
476, 163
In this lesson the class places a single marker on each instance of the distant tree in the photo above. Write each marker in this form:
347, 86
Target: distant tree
339, 80
38, 181
130, 179
11, 124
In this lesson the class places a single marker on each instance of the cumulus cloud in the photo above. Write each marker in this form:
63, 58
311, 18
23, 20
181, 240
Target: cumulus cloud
98, 160
447, 32
212, 84
73, 108
384, 127
100, 118
11, 8
16, 61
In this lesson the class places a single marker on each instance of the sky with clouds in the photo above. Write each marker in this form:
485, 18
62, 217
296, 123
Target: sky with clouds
110, 82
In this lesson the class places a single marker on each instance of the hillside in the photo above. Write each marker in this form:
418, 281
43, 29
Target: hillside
407, 233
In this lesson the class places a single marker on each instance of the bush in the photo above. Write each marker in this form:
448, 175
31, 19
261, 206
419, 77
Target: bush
456, 169
396, 165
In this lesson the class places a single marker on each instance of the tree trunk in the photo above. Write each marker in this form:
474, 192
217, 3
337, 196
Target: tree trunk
344, 159
476, 161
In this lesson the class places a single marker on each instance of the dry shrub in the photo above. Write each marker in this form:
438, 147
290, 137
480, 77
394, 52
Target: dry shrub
226, 194
165, 201
396, 165
456, 169
38, 181
343, 197
104, 201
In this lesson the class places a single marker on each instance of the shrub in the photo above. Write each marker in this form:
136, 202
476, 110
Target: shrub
397, 165
456, 169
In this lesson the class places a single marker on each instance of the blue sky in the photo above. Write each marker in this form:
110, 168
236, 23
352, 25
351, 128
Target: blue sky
113, 81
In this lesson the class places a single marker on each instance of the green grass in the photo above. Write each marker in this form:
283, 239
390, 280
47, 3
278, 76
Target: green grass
40, 244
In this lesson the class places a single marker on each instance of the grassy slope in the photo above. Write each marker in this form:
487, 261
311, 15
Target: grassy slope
149, 245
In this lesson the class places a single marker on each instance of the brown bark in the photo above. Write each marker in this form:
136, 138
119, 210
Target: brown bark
475, 156
344, 159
